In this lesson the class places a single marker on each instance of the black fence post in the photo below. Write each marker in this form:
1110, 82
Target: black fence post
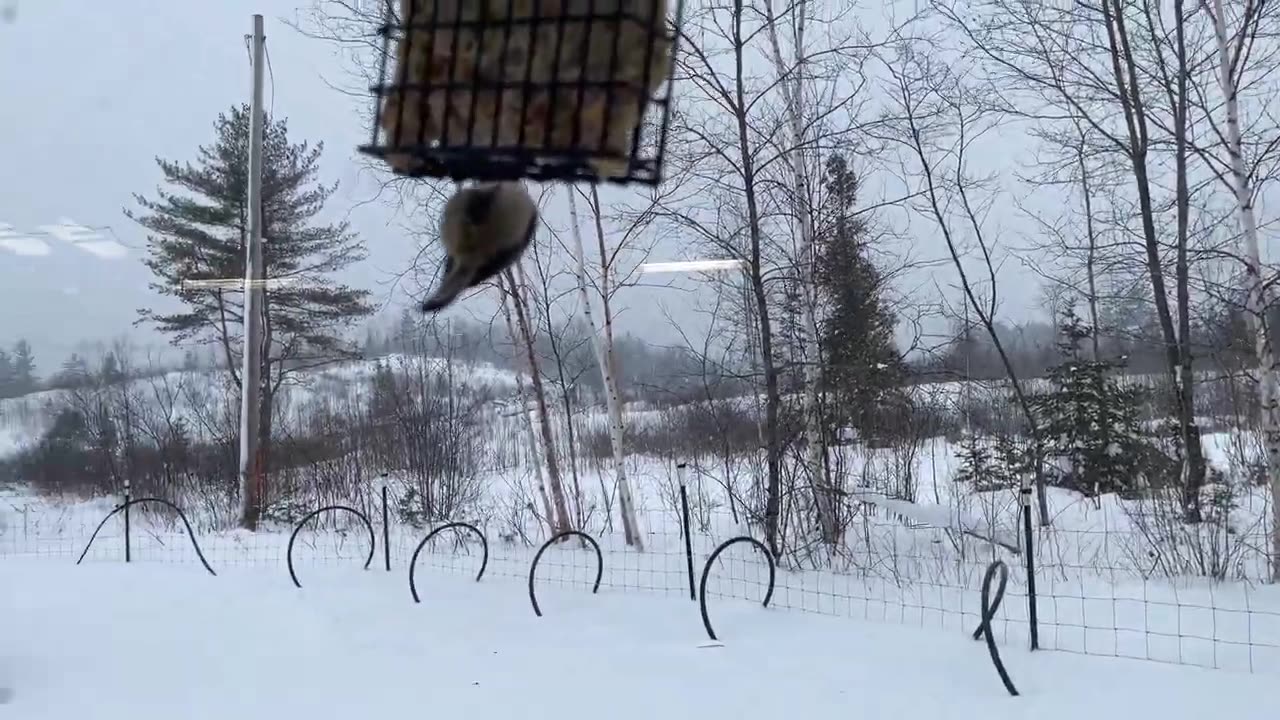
128, 544
688, 530
386, 526
1028, 548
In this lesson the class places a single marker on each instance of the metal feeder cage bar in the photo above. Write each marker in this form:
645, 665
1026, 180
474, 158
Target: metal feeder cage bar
570, 90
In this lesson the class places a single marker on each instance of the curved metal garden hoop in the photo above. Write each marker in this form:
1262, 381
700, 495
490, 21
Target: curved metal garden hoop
533, 566
989, 607
137, 501
328, 508
706, 572
413, 562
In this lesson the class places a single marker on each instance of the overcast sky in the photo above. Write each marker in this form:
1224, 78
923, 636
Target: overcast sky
93, 91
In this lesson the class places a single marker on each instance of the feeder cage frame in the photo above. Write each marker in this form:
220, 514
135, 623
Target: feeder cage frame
459, 130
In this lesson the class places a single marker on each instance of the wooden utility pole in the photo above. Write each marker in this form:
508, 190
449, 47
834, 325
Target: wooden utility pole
251, 374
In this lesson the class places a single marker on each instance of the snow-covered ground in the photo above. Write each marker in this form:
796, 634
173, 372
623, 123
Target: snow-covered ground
903, 593
120, 642
1091, 595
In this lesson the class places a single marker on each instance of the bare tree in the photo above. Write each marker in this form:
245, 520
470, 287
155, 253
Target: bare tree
1078, 253
715, 357
515, 290
938, 123
743, 153
562, 345
714, 154
1237, 57
517, 341
606, 358
792, 78
1118, 69
352, 28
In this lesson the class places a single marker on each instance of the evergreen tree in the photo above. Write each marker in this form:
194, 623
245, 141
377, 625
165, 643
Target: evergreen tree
1091, 420
387, 394
987, 467
7, 386
408, 338
861, 362
110, 371
202, 234
24, 369
372, 344
63, 459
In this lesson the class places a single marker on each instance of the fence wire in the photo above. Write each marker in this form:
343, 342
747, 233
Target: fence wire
1103, 592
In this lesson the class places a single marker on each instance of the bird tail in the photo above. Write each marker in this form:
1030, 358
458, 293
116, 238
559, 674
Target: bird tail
455, 281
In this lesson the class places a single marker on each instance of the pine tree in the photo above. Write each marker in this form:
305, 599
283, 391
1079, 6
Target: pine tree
987, 469
408, 340
24, 369
386, 394
372, 344
7, 387
110, 370
861, 362
202, 234
1091, 420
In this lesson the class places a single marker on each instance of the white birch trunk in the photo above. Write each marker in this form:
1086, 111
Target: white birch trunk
530, 436
605, 360
791, 92
1259, 298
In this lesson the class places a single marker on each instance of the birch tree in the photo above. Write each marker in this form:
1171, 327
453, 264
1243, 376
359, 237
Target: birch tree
606, 359
1234, 50
791, 82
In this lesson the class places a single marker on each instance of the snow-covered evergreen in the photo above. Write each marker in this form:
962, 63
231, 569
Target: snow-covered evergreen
1090, 419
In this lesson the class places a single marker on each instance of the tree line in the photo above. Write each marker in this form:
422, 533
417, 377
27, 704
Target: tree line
19, 375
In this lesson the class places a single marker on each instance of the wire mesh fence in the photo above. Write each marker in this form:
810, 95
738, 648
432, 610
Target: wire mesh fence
1097, 592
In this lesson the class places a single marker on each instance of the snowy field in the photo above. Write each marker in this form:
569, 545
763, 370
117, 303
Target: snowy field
921, 576
881, 629
118, 642
1103, 589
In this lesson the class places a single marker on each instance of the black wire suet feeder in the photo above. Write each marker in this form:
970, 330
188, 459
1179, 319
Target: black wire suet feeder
571, 90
